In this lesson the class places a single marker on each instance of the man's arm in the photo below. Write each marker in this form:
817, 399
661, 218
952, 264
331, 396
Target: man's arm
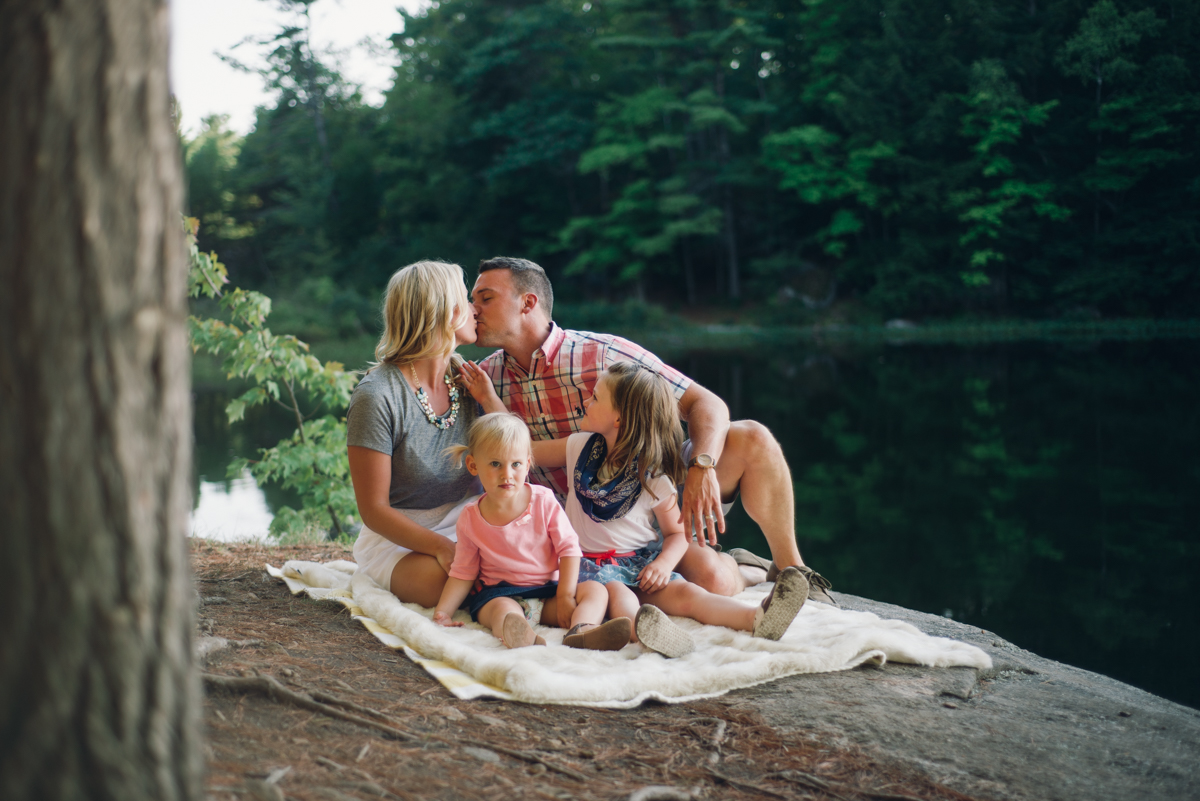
707, 419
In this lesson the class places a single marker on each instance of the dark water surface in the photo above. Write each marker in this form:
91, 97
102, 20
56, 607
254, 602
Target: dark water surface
1048, 493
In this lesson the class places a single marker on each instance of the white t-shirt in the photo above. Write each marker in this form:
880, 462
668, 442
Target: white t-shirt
631, 532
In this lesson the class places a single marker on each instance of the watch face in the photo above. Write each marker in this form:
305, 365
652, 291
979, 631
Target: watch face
703, 460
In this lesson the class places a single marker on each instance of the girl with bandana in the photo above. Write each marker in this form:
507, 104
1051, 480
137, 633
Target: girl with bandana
625, 465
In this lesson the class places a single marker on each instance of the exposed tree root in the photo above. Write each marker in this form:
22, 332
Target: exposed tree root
327, 704
268, 686
744, 785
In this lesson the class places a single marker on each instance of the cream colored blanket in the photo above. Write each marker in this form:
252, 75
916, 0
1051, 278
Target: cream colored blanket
472, 663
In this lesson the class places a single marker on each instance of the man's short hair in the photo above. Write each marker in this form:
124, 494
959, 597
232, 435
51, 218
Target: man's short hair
527, 277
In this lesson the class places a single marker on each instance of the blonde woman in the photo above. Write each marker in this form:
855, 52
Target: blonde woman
407, 410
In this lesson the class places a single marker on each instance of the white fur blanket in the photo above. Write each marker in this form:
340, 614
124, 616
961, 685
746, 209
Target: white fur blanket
472, 663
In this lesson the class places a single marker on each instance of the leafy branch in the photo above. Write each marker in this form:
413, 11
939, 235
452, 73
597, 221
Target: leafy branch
313, 460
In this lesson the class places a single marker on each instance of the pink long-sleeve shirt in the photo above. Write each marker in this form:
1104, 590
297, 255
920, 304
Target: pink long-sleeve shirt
524, 553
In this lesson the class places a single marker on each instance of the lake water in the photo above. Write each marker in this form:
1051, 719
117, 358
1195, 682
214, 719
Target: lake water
1046, 492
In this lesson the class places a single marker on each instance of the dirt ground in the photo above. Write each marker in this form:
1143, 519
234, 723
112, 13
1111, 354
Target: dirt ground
412, 739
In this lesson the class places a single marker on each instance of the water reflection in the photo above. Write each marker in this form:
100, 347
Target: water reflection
221, 501
1044, 492
230, 511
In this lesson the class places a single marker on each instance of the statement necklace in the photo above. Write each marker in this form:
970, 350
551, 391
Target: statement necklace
449, 418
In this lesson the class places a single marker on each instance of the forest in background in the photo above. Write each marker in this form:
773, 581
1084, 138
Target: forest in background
889, 158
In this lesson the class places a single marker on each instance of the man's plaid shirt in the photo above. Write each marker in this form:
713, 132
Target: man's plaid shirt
550, 396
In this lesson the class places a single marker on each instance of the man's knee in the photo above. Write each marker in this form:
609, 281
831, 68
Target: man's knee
753, 442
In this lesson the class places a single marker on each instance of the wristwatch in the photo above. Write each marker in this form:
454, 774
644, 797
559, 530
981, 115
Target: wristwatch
703, 460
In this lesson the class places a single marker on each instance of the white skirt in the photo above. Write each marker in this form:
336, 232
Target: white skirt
377, 556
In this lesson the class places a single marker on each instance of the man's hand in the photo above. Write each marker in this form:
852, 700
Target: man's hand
654, 577
479, 384
443, 619
700, 506
565, 607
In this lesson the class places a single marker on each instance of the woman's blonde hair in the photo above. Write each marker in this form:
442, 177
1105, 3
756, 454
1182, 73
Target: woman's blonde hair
424, 305
498, 429
650, 429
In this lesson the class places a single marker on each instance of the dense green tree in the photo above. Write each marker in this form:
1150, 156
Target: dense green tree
675, 142
1023, 159
493, 102
210, 159
305, 181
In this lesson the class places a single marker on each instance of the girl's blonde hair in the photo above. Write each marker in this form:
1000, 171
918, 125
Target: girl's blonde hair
650, 429
425, 303
495, 430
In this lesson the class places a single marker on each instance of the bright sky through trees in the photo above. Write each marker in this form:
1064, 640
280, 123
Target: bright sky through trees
202, 28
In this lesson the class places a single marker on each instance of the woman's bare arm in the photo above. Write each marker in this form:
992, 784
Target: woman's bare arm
371, 475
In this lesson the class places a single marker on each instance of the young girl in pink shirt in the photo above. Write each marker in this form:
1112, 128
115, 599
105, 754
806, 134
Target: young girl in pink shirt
518, 543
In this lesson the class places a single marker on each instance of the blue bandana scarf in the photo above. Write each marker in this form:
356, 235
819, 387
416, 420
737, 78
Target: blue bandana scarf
610, 501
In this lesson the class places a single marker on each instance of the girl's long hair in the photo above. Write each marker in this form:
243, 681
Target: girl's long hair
425, 303
650, 430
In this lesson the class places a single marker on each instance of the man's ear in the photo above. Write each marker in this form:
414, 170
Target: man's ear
472, 468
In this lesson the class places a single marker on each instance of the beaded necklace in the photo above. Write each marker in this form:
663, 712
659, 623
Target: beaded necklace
449, 418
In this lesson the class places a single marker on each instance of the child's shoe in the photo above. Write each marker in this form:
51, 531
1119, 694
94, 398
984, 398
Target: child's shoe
659, 633
516, 632
610, 636
782, 605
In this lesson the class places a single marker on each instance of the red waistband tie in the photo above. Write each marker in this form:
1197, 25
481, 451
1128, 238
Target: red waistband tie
610, 556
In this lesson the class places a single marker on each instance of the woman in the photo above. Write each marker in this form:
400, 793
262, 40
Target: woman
403, 415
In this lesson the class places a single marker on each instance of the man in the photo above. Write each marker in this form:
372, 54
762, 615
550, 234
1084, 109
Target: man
545, 374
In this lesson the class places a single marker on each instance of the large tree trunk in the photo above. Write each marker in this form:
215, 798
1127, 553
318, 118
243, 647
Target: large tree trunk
98, 688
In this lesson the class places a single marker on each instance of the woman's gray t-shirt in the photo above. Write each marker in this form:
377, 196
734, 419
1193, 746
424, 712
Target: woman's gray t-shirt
384, 415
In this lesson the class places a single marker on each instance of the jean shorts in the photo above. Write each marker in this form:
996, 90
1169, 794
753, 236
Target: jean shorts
624, 569
491, 592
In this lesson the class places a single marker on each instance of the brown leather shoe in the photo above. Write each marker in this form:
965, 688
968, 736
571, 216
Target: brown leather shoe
610, 636
818, 586
516, 632
782, 605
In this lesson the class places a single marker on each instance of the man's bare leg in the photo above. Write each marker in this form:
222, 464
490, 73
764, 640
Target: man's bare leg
753, 463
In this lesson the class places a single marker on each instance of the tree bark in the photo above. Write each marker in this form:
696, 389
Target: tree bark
98, 687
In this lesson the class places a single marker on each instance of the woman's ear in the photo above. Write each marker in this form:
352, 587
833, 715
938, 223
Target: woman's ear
472, 468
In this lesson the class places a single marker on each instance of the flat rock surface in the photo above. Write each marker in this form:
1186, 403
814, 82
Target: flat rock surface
1029, 728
